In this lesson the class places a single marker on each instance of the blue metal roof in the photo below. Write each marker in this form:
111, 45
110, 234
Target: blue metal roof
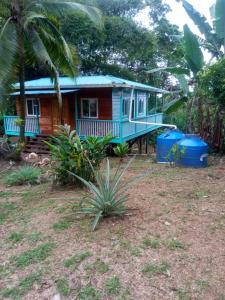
88, 82
40, 92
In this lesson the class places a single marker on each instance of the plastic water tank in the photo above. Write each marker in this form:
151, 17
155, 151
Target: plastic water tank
195, 152
164, 144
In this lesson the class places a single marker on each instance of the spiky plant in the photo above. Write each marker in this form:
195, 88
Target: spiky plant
107, 197
24, 175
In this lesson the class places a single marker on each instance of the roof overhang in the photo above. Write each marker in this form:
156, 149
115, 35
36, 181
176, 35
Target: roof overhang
29, 91
68, 88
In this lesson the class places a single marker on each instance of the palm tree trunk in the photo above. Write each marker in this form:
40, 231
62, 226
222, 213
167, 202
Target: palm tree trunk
22, 82
60, 100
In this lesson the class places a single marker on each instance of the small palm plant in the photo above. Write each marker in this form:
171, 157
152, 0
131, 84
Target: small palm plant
121, 150
107, 196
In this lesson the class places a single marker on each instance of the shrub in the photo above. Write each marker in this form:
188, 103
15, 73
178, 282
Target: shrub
24, 175
107, 197
1, 126
9, 150
71, 155
121, 150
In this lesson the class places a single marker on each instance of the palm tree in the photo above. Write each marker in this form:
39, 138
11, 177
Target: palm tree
30, 35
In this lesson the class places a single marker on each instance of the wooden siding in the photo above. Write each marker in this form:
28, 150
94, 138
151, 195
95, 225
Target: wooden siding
104, 97
49, 112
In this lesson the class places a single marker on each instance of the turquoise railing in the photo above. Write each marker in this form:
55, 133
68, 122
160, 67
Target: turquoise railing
122, 130
32, 127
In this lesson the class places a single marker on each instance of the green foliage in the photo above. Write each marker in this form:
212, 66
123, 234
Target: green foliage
219, 21
36, 255
107, 196
121, 150
149, 242
62, 224
2, 132
113, 286
99, 266
71, 155
89, 293
63, 288
175, 153
75, 260
153, 269
174, 244
211, 83
24, 175
21, 289
16, 237
7, 210
193, 53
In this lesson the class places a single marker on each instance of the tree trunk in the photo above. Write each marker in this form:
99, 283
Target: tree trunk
20, 34
60, 100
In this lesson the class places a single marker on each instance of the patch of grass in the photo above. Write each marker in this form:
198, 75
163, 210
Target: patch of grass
24, 175
63, 288
113, 286
153, 269
183, 294
98, 266
6, 210
34, 237
16, 237
135, 251
36, 255
174, 244
6, 194
89, 293
148, 242
23, 287
62, 224
75, 260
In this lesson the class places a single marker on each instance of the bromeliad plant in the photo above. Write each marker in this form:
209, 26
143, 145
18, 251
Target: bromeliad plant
70, 154
107, 197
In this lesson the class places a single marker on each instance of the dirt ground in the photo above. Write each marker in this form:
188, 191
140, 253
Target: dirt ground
172, 246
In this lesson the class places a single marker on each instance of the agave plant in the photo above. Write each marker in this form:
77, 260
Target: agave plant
107, 197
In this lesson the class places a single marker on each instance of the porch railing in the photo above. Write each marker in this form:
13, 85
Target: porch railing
31, 128
122, 130
91, 127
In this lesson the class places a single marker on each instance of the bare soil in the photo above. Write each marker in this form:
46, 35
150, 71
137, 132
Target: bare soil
182, 209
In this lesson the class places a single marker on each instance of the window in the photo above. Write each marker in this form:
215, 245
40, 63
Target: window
89, 108
151, 104
125, 107
33, 107
141, 106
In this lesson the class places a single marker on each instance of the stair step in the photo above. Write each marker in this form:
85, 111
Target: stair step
37, 145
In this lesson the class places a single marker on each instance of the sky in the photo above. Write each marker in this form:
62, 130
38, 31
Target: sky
178, 15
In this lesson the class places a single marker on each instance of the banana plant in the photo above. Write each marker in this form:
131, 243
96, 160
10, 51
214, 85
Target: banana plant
214, 37
194, 61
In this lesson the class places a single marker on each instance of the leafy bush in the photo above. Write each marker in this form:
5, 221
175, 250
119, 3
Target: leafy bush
107, 197
23, 175
121, 150
9, 150
1, 126
70, 154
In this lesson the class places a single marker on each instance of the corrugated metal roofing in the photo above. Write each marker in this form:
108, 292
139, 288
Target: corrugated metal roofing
40, 92
88, 82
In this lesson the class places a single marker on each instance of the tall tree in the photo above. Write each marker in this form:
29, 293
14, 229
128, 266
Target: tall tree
30, 34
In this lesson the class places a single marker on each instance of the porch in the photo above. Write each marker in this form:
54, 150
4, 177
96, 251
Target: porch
121, 130
11, 127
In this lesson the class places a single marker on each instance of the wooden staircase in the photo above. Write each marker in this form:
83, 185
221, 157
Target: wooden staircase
37, 145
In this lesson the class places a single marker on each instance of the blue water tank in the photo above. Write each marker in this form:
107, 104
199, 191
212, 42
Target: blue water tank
195, 152
164, 144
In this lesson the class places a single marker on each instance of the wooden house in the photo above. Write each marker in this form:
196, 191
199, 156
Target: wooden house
93, 105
